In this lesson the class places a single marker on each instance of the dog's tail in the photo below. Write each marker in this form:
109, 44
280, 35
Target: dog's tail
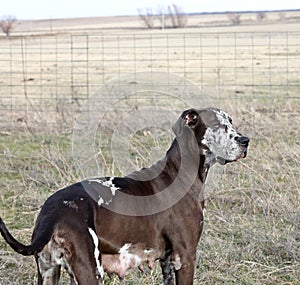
17, 246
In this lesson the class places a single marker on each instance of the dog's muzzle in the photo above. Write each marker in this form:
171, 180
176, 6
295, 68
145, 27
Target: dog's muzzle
243, 142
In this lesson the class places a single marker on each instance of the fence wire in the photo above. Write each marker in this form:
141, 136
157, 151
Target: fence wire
46, 79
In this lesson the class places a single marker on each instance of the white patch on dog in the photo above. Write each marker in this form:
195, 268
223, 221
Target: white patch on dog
112, 186
100, 201
204, 213
71, 204
107, 183
127, 259
99, 268
177, 262
221, 140
124, 248
223, 118
148, 251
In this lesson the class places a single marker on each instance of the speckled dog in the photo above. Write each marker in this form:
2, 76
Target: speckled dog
112, 224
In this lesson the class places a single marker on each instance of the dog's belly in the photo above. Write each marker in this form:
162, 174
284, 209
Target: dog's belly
130, 256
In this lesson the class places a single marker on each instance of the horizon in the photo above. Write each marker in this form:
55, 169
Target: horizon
192, 13
64, 9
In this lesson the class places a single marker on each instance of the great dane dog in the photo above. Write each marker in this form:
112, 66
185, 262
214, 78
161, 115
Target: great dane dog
97, 225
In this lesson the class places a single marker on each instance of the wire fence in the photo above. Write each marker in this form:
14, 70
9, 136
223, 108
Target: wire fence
46, 79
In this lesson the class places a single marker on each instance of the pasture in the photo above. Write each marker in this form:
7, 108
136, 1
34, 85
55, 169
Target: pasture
48, 77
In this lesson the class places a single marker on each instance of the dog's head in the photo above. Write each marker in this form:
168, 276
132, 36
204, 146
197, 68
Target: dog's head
215, 134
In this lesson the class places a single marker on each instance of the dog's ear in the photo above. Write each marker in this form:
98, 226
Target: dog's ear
189, 119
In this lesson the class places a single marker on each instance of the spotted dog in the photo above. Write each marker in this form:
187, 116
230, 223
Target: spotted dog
112, 224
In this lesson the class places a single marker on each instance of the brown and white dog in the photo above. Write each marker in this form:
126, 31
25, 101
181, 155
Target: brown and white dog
112, 224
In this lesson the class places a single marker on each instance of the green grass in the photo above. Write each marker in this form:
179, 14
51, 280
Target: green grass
252, 225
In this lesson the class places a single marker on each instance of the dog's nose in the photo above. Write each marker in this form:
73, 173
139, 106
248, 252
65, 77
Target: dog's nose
243, 140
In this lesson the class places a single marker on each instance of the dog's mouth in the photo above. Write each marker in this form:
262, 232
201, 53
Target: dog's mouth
244, 142
223, 161
244, 152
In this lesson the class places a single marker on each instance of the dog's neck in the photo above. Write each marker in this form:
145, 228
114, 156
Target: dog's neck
198, 161
192, 168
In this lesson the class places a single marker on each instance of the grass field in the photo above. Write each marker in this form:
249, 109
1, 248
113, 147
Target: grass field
252, 222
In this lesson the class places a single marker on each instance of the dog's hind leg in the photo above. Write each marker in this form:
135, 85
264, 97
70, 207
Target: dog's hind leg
168, 270
84, 260
47, 273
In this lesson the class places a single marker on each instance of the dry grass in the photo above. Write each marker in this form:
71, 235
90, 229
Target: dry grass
251, 234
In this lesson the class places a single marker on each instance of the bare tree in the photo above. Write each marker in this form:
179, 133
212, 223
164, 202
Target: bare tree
172, 17
7, 24
260, 16
147, 17
234, 18
177, 16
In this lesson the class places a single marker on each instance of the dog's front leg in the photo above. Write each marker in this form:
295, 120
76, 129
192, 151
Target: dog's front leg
168, 271
185, 275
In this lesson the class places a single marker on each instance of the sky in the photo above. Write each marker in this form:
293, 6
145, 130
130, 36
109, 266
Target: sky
46, 9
